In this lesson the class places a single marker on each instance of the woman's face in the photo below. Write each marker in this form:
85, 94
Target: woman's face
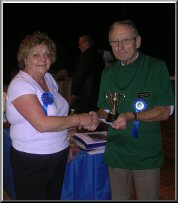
38, 59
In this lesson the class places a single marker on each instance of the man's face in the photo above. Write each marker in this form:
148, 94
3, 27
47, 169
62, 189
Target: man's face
124, 43
82, 44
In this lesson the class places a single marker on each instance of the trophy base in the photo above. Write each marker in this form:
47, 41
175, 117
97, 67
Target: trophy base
111, 117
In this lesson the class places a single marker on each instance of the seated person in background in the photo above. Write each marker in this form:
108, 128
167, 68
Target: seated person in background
87, 75
60, 74
39, 120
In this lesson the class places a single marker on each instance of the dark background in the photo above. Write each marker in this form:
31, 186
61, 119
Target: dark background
65, 22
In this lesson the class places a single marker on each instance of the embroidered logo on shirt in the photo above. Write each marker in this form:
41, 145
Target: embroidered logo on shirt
144, 94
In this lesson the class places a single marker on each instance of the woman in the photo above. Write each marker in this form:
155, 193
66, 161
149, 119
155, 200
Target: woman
39, 122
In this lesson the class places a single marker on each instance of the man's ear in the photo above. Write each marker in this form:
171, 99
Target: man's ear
138, 41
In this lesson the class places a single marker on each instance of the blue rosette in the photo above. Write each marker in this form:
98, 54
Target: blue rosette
47, 99
139, 105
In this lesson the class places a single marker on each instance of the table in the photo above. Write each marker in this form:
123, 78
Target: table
86, 175
86, 178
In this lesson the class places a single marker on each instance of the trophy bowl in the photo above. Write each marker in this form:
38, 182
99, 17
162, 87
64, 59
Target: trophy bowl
114, 99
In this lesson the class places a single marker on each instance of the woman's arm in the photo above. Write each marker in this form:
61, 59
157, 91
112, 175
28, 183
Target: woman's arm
31, 109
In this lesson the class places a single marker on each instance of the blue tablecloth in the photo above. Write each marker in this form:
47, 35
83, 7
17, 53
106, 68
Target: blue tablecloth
86, 176
8, 182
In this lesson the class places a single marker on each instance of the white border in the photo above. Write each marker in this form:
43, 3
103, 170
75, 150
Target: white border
176, 7
57, 1
1, 111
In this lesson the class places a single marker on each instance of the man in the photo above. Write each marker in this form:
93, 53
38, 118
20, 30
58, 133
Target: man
134, 148
86, 79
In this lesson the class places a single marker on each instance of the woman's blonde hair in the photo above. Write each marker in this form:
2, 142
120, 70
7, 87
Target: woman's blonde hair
31, 41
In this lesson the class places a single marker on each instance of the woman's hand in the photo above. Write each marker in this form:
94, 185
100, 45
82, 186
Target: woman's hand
94, 121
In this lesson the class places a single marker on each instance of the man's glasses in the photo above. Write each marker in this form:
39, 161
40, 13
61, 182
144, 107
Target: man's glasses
123, 42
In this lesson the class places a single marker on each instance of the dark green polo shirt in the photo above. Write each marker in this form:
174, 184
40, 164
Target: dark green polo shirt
146, 78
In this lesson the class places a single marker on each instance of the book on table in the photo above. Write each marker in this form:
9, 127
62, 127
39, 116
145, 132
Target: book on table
90, 140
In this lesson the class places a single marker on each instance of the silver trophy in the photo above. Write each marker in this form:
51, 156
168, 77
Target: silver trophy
114, 99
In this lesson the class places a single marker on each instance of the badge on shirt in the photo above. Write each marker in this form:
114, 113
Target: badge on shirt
144, 94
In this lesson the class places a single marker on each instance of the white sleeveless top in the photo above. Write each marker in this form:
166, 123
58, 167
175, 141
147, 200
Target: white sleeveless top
24, 136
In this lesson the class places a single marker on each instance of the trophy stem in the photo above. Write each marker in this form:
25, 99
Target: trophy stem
112, 117
113, 109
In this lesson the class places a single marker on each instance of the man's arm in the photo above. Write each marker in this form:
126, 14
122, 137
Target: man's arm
158, 113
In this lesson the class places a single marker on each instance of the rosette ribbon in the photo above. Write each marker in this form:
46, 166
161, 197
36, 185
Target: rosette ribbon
139, 105
47, 99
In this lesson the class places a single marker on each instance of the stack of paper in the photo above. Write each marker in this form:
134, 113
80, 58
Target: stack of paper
92, 142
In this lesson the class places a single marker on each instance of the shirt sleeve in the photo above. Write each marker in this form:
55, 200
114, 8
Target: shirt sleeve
19, 87
163, 90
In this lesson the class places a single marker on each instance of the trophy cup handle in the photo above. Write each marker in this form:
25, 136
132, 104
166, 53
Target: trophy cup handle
122, 97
